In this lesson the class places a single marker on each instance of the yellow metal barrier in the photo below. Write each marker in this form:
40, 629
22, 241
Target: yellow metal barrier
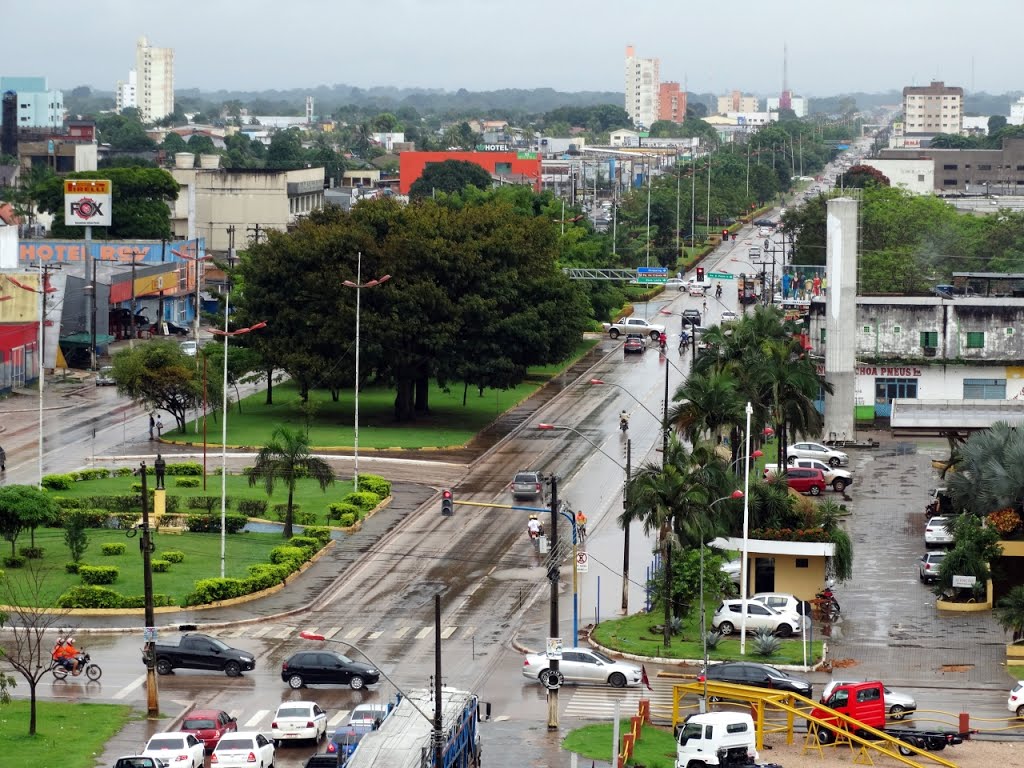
795, 705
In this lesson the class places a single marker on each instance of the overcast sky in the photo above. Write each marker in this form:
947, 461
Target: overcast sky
867, 45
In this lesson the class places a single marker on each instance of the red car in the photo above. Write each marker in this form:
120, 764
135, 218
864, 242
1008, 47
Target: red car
208, 725
634, 343
810, 481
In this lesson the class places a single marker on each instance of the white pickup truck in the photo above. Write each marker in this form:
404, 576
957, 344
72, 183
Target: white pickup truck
625, 325
839, 479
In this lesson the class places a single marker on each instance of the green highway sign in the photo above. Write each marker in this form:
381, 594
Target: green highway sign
651, 279
720, 276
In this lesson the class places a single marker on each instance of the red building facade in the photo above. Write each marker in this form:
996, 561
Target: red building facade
518, 168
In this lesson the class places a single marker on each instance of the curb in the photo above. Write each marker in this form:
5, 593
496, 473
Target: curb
176, 722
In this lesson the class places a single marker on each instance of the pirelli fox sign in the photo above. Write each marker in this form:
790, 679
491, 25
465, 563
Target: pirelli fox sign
87, 202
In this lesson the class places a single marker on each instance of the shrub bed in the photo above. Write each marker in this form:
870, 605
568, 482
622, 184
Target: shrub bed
113, 548
252, 507
211, 523
174, 556
160, 566
98, 574
31, 553
186, 482
364, 500
375, 484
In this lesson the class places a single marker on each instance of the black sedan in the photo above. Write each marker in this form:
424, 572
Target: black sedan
759, 676
317, 667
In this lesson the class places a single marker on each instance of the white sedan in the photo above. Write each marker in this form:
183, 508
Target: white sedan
728, 316
182, 750
1016, 701
830, 456
298, 720
245, 749
584, 665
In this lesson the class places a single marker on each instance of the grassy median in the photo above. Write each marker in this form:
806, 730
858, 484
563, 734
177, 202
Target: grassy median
67, 735
655, 749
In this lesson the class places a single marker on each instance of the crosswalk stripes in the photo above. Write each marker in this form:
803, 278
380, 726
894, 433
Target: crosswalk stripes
597, 703
253, 721
338, 718
353, 634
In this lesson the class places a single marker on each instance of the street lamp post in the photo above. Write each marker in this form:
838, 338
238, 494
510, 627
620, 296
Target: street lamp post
744, 576
359, 285
224, 428
703, 613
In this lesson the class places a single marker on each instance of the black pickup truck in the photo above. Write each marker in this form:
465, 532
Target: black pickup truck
196, 651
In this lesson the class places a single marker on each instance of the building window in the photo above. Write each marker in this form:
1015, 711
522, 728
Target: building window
1009, 331
867, 329
984, 167
930, 339
949, 182
951, 167
503, 168
975, 339
984, 389
896, 329
920, 177
802, 562
887, 390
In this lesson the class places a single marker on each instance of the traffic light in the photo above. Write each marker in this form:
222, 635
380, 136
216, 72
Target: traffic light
700, 274
447, 503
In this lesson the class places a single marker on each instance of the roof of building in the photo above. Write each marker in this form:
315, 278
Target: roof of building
943, 417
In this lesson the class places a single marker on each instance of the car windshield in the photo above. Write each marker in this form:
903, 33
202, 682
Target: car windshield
525, 477
293, 712
230, 743
175, 743
195, 725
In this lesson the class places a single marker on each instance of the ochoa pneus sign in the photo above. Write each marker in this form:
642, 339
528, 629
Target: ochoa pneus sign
87, 202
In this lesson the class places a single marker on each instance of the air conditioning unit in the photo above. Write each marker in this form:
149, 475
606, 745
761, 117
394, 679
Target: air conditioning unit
929, 351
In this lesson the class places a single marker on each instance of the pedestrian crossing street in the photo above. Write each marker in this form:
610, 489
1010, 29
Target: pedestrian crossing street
348, 634
598, 703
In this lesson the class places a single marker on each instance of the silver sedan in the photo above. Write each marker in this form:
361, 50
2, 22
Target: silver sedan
584, 665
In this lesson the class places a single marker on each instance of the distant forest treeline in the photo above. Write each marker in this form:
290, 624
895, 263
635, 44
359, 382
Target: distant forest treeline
506, 104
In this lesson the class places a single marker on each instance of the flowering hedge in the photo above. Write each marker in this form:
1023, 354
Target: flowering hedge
1005, 521
791, 534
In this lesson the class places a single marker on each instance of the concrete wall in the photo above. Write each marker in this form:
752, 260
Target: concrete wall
840, 313
916, 176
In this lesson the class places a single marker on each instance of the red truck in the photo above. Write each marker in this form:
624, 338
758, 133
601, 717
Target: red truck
865, 703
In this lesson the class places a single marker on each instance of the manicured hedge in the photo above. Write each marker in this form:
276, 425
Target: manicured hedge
101, 597
98, 574
174, 556
321, 533
113, 548
339, 509
211, 523
160, 566
252, 507
284, 554
365, 500
375, 484
186, 482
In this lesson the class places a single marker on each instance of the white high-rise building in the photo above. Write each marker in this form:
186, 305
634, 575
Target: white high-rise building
1016, 112
931, 109
125, 93
154, 69
642, 87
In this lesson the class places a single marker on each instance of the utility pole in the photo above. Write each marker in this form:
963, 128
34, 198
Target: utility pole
554, 676
231, 245
625, 532
131, 339
92, 326
438, 712
146, 544
256, 233
160, 311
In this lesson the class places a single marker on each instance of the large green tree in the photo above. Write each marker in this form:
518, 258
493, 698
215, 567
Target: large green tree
24, 506
450, 176
159, 376
285, 459
138, 207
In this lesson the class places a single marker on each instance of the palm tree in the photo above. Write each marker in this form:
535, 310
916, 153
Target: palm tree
1010, 612
989, 473
708, 402
286, 458
673, 499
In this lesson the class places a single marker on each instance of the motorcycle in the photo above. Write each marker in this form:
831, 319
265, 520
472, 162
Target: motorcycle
684, 342
718, 291
623, 424
535, 535
85, 666
827, 603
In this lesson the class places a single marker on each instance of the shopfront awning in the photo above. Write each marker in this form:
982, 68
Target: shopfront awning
85, 339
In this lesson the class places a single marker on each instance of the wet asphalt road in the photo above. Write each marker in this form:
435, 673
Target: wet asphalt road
492, 586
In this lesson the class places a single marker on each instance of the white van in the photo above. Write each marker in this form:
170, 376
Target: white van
716, 738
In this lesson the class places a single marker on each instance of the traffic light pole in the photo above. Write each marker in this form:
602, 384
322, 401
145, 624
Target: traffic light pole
553, 628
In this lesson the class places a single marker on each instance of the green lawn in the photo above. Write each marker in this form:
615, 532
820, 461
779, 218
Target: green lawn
67, 735
308, 495
655, 749
633, 634
449, 424
202, 560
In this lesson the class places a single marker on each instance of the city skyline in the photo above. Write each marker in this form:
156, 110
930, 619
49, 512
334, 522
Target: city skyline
453, 44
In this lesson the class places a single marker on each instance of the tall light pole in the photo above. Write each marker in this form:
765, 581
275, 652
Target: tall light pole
224, 427
737, 494
359, 285
744, 575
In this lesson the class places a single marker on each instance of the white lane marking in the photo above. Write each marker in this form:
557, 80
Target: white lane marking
255, 719
339, 716
352, 634
311, 630
402, 633
262, 631
332, 632
126, 691
424, 632
374, 635
448, 632
468, 633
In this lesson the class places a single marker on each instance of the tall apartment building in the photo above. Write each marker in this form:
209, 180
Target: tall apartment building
126, 94
797, 103
154, 70
737, 102
642, 89
671, 102
932, 109
1016, 112
37, 106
